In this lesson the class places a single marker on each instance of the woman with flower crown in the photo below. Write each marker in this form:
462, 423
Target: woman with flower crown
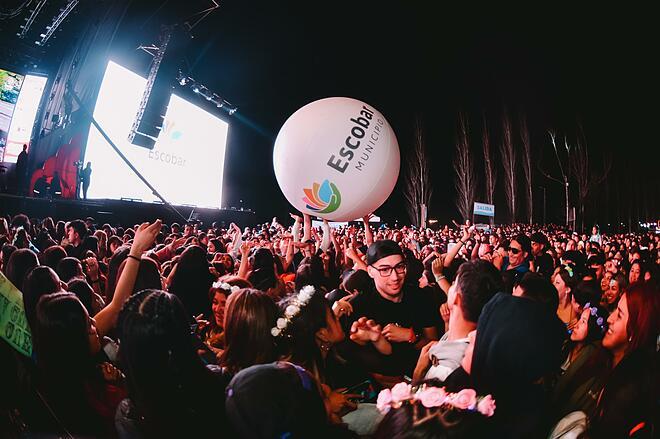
305, 334
584, 366
564, 279
428, 411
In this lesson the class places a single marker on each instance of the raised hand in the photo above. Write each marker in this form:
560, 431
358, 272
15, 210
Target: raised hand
438, 265
343, 306
145, 235
364, 330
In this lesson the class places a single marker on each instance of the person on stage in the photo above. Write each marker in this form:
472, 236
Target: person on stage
85, 176
21, 170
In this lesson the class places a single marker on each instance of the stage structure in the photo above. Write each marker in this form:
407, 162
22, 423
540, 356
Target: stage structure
168, 56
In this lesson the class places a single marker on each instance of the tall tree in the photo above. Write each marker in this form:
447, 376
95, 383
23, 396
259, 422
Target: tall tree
489, 168
465, 173
418, 189
527, 167
585, 176
564, 177
509, 163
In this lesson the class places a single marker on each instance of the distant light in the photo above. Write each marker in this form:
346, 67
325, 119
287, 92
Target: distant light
195, 89
232, 111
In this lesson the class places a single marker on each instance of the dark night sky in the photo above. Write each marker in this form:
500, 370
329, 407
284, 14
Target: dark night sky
559, 66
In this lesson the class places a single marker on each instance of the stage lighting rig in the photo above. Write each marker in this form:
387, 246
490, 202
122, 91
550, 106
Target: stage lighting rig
201, 89
139, 127
30, 20
57, 20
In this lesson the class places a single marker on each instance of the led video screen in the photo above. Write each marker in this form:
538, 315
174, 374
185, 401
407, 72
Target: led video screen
10, 87
27, 105
187, 163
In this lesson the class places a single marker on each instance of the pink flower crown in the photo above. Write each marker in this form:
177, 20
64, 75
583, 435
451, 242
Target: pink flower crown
430, 396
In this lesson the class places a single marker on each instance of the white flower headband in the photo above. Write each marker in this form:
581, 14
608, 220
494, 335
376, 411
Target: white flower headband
225, 286
292, 310
430, 396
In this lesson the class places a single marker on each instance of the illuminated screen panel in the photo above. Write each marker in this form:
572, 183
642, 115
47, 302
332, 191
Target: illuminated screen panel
10, 87
186, 165
27, 105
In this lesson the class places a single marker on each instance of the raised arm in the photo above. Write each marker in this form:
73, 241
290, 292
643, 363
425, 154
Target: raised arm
307, 227
451, 254
244, 267
368, 233
295, 230
325, 242
106, 319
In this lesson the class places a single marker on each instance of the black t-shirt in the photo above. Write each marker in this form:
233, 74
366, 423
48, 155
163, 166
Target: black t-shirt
415, 310
544, 265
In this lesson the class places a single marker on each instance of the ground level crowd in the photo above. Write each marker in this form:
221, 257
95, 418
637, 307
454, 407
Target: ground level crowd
289, 331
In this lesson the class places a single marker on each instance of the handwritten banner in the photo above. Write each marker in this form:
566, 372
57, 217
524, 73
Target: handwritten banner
14, 328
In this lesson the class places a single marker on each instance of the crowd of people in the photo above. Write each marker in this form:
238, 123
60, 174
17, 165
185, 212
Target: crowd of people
286, 330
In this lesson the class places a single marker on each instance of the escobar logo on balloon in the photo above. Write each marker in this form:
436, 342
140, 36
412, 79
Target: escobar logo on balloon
352, 143
322, 198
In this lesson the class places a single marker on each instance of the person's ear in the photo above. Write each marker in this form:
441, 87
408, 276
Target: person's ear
322, 335
371, 270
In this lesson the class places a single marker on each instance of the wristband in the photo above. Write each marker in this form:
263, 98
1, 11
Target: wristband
412, 337
439, 278
134, 257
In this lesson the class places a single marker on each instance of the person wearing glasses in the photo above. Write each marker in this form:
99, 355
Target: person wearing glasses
516, 263
390, 323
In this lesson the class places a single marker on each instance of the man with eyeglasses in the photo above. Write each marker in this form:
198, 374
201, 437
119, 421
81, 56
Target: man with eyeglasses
387, 311
516, 263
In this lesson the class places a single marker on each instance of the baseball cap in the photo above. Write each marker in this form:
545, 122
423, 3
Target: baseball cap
382, 249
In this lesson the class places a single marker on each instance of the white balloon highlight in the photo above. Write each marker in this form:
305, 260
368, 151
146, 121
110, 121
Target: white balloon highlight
336, 158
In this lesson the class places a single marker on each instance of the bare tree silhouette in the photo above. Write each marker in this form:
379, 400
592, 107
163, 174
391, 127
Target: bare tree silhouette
465, 174
417, 188
489, 168
527, 167
509, 163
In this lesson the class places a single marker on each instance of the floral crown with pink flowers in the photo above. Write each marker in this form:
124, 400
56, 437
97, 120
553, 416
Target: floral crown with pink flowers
431, 396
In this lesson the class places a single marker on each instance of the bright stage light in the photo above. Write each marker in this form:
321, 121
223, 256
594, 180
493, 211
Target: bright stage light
187, 163
22, 120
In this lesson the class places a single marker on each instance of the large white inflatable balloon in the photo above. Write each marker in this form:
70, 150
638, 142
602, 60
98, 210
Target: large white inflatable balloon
336, 158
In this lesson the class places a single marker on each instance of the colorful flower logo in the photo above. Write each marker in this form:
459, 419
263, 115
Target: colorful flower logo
322, 198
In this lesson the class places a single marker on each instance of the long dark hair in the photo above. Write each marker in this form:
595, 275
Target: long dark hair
20, 263
64, 359
298, 341
84, 292
191, 281
249, 317
119, 256
148, 276
310, 272
166, 379
39, 282
70, 268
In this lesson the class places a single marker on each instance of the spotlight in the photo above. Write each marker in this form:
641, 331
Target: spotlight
232, 111
195, 89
